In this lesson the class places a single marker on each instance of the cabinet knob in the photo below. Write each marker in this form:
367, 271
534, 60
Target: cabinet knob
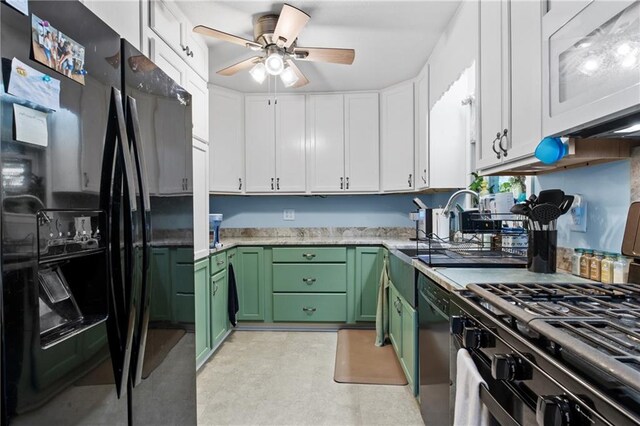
309, 281
341, 183
424, 176
220, 262
347, 182
272, 180
308, 255
187, 51
493, 146
309, 310
239, 184
410, 180
215, 290
86, 179
278, 184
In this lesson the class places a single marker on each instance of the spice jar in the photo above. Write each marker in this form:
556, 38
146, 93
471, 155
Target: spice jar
606, 268
621, 270
575, 261
594, 266
585, 263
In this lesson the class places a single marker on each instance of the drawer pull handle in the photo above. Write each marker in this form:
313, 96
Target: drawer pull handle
309, 281
309, 255
215, 290
220, 262
309, 310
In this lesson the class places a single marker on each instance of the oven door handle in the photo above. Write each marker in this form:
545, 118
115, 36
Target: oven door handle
496, 410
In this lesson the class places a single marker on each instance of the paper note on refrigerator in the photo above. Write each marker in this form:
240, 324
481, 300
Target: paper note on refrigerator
31, 125
33, 86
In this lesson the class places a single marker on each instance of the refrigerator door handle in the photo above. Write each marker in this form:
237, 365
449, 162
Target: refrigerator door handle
135, 142
116, 171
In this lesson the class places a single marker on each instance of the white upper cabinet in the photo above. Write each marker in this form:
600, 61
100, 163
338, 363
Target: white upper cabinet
290, 144
168, 22
326, 156
200, 199
590, 66
275, 144
168, 60
226, 144
124, 18
510, 81
397, 142
260, 144
421, 89
362, 142
200, 105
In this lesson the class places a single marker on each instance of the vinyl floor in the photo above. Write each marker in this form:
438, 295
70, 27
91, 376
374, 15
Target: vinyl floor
286, 378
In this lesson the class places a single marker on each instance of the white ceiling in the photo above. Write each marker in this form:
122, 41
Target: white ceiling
392, 39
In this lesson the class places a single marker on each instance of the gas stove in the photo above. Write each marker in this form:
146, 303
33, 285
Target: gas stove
554, 353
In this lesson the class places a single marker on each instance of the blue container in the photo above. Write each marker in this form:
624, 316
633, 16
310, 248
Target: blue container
551, 150
215, 220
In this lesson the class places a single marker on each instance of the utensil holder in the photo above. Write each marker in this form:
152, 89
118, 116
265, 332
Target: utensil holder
541, 252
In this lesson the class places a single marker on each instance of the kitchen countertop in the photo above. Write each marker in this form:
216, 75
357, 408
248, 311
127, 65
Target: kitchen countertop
453, 279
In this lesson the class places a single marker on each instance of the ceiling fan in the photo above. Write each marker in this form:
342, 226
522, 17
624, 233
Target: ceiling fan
275, 36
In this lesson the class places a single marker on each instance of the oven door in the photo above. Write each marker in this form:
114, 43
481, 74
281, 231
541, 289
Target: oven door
591, 63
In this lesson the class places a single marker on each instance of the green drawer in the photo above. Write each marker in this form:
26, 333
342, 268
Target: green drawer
218, 262
310, 307
309, 254
310, 278
183, 255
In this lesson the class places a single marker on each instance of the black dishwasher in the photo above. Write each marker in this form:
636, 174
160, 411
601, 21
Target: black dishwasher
434, 351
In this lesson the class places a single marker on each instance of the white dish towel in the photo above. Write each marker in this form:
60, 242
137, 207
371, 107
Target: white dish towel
469, 410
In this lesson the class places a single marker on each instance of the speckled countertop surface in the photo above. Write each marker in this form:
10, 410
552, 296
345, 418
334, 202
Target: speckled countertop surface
453, 279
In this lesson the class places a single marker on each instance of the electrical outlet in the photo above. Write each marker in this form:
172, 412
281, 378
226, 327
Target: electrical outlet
578, 213
288, 214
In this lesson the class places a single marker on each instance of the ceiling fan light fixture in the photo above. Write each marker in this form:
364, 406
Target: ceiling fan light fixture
259, 72
289, 77
274, 63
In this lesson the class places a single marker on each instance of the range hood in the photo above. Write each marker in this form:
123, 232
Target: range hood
624, 124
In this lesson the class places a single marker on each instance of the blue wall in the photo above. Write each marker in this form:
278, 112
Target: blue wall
316, 211
607, 189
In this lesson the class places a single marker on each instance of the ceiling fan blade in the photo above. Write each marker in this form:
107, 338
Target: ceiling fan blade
221, 35
302, 80
290, 23
243, 65
322, 54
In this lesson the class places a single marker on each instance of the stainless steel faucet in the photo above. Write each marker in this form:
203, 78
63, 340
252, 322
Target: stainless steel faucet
449, 205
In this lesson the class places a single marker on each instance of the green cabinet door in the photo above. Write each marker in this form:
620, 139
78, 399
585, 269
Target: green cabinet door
202, 309
249, 269
218, 306
160, 285
368, 265
409, 346
395, 321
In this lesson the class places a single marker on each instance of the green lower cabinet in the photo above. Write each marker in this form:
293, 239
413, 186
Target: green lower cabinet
249, 269
395, 320
218, 307
160, 277
202, 286
409, 346
310, 307
368, 267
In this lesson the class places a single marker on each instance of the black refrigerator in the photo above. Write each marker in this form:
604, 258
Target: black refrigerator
88, 193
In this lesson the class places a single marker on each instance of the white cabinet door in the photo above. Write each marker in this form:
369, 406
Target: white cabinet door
197, 55
421, 89
325, 129
226, 145
491, 83
200, 105
290, 144
397, 138
172, 156
525, 129
362, 142
123, 17
260, 144
200, 199
168, 61
166, 22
